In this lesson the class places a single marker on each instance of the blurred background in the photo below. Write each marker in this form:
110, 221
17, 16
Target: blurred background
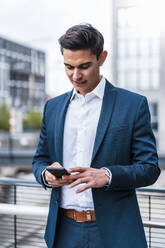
32, 71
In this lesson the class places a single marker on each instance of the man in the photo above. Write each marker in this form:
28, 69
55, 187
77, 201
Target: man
102, 135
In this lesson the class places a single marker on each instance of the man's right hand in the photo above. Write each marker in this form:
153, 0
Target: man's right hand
52, 180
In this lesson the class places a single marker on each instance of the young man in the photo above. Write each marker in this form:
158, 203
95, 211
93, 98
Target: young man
102, 135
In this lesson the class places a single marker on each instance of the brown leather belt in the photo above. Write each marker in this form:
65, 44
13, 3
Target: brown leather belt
78, 216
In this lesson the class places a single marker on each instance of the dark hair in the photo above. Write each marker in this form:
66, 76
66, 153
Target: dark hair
82, 36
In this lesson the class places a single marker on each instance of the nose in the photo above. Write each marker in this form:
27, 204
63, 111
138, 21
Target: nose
77, 74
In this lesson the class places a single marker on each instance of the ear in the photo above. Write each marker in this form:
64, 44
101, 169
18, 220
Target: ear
102, 57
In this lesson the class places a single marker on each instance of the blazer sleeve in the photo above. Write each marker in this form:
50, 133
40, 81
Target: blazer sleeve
41, 157
143, 170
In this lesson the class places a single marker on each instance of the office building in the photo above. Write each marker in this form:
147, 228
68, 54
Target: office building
22, 76
138, 58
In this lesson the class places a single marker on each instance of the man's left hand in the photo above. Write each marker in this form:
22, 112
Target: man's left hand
93, 178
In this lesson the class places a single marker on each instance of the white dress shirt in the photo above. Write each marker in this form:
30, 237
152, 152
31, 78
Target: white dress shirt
79, 136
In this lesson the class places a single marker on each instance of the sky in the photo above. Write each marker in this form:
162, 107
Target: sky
39, 23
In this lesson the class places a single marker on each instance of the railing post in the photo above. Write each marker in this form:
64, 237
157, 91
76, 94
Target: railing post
149, 219
15, 218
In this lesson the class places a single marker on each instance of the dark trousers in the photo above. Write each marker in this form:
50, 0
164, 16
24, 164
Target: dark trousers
72, 234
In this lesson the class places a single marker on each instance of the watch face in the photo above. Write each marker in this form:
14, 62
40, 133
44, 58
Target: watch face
108, 174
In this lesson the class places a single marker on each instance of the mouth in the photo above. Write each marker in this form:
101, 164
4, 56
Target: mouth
79, 83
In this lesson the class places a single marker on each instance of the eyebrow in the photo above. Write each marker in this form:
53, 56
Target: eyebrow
79, 66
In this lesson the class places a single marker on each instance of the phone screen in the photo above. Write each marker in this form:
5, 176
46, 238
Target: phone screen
58, 172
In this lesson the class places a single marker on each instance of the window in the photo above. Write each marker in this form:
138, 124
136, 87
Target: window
138, 61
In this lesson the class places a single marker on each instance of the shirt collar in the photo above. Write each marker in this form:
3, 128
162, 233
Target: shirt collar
98, 91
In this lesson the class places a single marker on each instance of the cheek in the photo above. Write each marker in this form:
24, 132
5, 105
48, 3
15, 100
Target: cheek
92, 74
89, 74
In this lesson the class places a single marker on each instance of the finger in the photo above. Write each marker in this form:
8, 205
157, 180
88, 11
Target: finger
60, 182
86, 186
65, 177
73, 177
56, 164
53, 179
77, 169
55, 184
50, 177
78, 181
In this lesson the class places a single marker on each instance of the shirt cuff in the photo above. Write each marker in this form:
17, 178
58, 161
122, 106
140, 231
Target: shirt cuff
43, 178
109, 174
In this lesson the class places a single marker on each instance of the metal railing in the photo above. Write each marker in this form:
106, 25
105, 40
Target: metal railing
23, 212
24, 208
152, 206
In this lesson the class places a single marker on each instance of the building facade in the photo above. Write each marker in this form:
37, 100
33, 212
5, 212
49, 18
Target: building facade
22, 76
138, 59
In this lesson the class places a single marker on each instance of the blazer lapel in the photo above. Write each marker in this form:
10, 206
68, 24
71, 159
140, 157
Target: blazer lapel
59, 124
105, 116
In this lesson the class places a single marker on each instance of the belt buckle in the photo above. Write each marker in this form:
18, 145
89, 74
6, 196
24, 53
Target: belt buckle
74, 216
89, 215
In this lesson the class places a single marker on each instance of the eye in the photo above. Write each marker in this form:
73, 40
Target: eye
85, 66
69, 67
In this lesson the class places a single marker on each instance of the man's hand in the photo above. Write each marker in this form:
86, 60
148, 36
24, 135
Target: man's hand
93, 178
52, 180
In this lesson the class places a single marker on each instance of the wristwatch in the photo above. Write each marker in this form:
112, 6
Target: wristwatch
108, 174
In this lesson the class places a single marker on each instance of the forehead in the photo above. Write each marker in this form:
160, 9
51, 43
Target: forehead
78, 57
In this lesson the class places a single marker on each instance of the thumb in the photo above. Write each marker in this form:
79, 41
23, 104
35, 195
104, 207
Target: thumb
56, 164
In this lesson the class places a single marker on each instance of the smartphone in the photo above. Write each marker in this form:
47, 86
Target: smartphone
58, 172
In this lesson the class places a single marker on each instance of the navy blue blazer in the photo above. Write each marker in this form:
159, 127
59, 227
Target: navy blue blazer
125, 144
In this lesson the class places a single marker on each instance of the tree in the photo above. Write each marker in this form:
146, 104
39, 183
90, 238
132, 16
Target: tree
4, 118
32, 120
